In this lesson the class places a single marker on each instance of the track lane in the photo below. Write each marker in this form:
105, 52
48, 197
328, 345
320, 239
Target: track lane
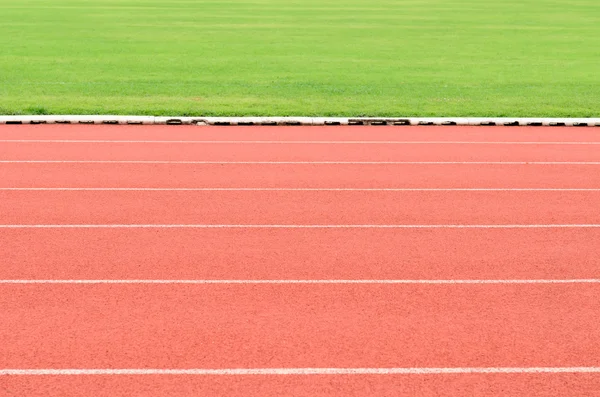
267, 254
19, 151
279, 133
299, 326
299, 175
545, 385
299, 207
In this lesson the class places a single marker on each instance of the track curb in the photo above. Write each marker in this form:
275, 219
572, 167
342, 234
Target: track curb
301, 121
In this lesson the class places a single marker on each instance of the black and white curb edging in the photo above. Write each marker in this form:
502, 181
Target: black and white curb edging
315, 121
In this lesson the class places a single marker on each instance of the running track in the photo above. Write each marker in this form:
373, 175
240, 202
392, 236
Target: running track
319, 261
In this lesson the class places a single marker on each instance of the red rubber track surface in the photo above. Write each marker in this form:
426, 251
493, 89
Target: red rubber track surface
293, 208
216, 152
578, 385
253, 326
300, 254
298, 175
327, 134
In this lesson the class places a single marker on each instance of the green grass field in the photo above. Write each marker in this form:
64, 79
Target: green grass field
301, 57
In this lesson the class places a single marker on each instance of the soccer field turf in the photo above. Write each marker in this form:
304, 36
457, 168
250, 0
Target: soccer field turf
301, 57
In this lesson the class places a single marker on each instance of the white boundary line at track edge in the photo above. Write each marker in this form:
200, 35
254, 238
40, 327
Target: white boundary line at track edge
302, 162
277, 189
205, 226
253, 142
302, 371
251, 282
299, 120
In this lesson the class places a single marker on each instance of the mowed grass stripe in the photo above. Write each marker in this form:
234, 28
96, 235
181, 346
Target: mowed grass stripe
301, 57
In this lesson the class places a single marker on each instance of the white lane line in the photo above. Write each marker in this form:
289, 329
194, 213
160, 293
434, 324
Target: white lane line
303, 371
200, 282
277, 189
252, 142
205, 226
302, 162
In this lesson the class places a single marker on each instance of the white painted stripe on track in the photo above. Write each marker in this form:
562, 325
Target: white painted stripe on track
301, 162
303, 142
375, 282
204, 226
302, 371
283, 189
